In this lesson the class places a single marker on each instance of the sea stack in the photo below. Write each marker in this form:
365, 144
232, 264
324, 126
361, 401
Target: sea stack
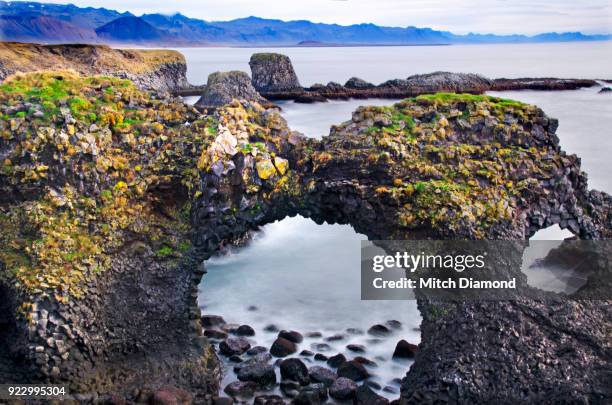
273, 73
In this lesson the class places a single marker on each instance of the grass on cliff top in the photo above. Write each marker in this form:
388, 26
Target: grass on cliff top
89, 59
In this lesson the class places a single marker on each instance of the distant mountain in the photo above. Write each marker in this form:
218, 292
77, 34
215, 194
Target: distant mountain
31, 28
62, 23
132, 29
85, 17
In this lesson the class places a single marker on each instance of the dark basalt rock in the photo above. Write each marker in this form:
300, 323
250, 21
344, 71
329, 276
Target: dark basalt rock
357, 83
234, 345
379, 330
282, 347
211, 321
405, 350
546, 84
605, 90
294, 369
223, 87
259, 372
343, 389
365, 396
356, 348
291, 335
268, 400
245, 330
337, 360
241, 389
273, 73
322, 375
353, 370
312, 395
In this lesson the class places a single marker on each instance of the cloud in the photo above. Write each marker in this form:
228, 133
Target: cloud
459, 16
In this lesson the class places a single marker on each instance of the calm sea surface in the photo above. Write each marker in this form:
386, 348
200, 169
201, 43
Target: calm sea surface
304, 276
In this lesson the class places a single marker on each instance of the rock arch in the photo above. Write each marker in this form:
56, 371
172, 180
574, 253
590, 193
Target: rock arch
157, 205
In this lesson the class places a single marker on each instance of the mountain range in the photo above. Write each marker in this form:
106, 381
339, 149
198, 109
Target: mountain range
57, 23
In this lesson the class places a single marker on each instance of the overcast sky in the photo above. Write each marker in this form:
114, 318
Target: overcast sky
459, 16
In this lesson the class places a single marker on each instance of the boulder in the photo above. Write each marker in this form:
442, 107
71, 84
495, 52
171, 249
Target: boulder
353, 370
294, 369
211, 321
291, 335
258, 372
365, 396
342, 389
282, 347
379, 330
169, 395
245, 330
234, 345
312, 395
605, 90
405, 350
273, 73
336, 361
223, 87
448, 82
322, 375
242, 389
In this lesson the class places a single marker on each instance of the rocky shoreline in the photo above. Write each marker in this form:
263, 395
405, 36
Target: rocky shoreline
112, 197
274, 77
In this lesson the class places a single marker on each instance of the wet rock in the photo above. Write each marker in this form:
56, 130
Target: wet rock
271, 328
290, 388
256, 350
335, 361
211, 321
306, 353
322, 375
353, 370
215, 334
374, 385
236, 359
312, 395
230, 327
273, 73
334, 338
314, 334
356, 348
258, 372
390, 389
354, 331
405, 350
605, 90
252, 308
365, 361
320, 357
379, 330
394, 324
291, 335
294, 369
241, 389
321, 347
282, 347
268, 400
245, 330
234, 345
171, 396
342, 389
223, 87
365, 396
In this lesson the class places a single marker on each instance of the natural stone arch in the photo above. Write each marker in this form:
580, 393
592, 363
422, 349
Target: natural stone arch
187, 188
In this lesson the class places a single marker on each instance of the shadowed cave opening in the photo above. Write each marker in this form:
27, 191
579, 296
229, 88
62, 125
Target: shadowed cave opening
297, 275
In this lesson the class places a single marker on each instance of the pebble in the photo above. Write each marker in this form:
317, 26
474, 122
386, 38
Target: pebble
356, 348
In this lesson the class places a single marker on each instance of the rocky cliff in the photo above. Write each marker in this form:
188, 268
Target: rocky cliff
111, 197
162, 70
